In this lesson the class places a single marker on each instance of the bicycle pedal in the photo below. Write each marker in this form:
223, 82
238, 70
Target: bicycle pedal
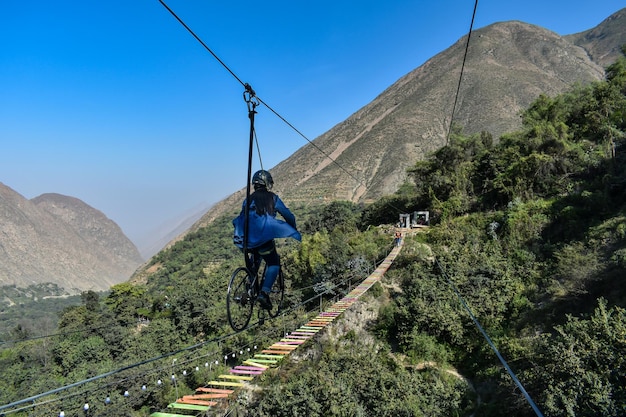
243, 300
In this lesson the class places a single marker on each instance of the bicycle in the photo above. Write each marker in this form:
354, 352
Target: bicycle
244, 288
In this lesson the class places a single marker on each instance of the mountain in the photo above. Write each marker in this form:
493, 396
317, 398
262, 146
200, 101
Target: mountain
60, 239
508, 65
155, 240
603, 42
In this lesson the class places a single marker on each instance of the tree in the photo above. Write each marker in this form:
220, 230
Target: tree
580, 369
91, 300
338, 214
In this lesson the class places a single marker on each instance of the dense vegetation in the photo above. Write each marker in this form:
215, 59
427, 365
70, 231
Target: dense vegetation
531, 232
31, 311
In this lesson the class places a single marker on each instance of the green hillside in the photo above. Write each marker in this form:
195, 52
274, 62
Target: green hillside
530, 231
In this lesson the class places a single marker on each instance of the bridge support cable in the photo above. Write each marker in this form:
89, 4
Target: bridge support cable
489, 341
30, 402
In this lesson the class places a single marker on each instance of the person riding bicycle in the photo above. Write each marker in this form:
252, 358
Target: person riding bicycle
264, 227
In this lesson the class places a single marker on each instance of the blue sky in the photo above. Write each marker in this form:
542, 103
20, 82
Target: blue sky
116, 104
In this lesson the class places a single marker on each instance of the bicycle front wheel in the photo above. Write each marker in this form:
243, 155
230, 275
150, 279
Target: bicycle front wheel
277, 294
239, 302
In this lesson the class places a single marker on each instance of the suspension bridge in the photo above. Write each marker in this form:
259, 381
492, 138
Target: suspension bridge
219, 393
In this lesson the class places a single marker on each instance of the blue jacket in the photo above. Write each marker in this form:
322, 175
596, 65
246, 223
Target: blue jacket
263, 228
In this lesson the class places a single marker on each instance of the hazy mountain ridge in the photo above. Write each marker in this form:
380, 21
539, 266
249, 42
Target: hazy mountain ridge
509, 64
159, 237
60, 239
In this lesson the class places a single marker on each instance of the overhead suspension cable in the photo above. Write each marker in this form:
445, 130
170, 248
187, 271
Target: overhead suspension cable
311, 142
202, 43
245, 85
458, 88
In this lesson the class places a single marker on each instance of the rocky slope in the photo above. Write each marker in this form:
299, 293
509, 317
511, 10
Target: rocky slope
60, 239
508, 65
603, 43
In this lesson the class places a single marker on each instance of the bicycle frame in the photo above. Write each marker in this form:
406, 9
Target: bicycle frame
253, 263
243, 289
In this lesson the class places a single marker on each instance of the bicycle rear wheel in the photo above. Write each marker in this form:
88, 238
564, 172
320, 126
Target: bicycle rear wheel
277, 294
239, 302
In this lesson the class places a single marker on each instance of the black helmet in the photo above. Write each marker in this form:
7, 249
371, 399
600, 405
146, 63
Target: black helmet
263, 178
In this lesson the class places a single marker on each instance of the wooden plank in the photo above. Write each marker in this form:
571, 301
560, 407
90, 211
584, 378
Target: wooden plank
262, 356
294, 335
283, 346
290, 341
226, 384
215, 390
161, 414
277, 352
236, 377
184, 406
210, 396
258, 371
245, 371
262, 361
196, 402
249, 368
255, 363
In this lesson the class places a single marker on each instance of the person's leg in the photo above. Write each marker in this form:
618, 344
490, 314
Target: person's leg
273, 265
272, 262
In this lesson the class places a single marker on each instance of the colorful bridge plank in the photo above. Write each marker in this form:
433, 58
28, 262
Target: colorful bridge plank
195, 402
185, 406
215, 390
226, 384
